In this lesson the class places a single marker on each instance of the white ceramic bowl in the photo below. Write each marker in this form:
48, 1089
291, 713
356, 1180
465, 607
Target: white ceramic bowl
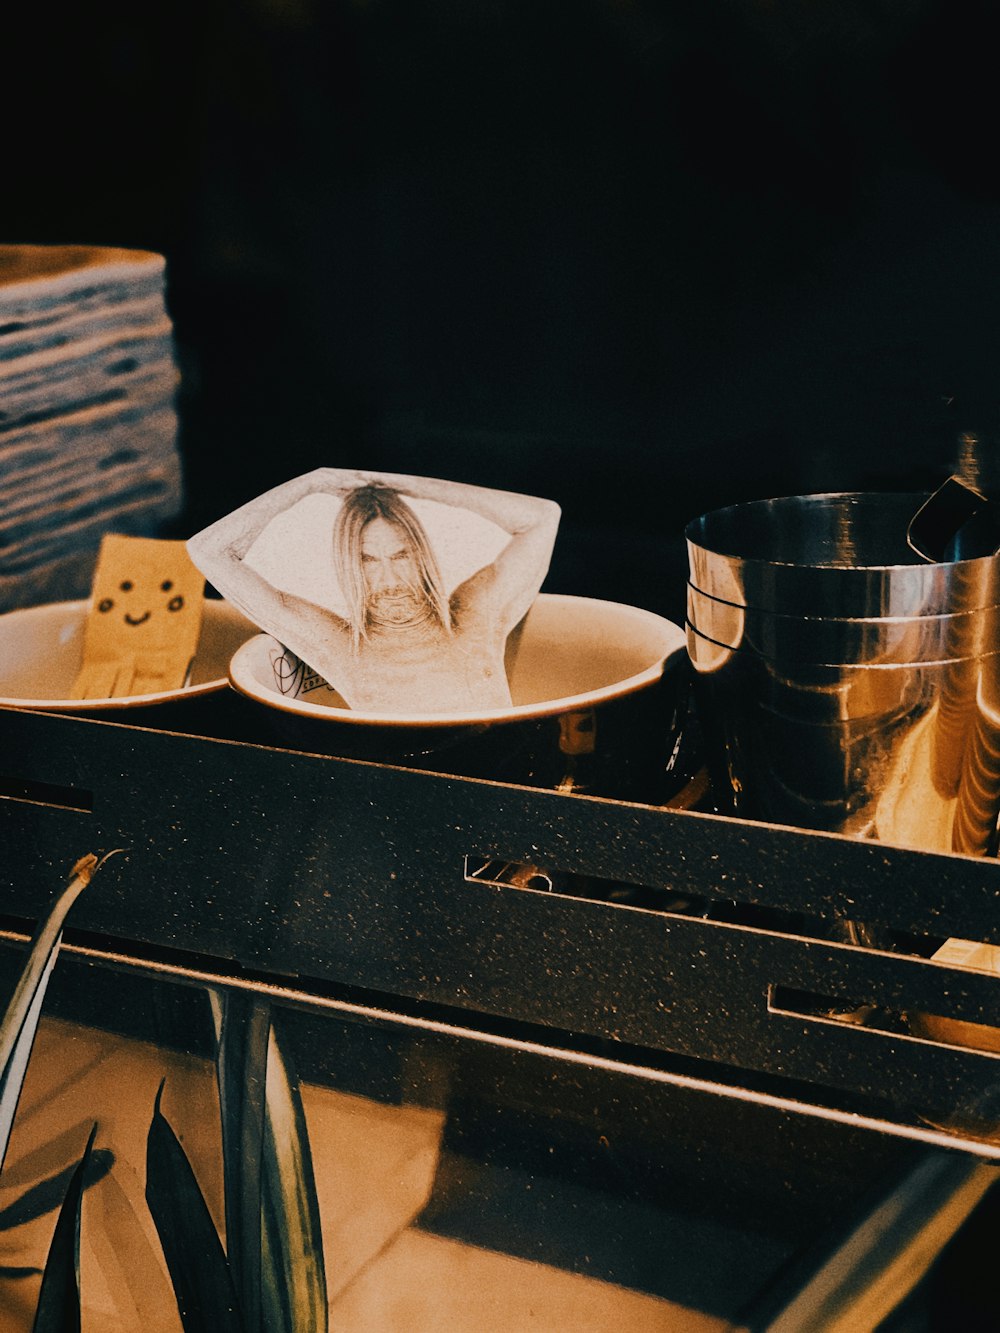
573, 654
599, 704
41, 648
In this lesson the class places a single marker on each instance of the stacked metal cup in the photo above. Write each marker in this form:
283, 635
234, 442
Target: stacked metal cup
844, 682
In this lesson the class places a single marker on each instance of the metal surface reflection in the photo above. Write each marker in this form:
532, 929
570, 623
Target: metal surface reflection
844, 687
821, 556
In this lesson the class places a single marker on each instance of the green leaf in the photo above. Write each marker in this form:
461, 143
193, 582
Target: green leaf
199, 1271
294, 1295
273, 1226
242, 1025
20, 1021
58, 1309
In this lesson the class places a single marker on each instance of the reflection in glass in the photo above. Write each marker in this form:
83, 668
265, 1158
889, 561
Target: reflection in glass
459, 1182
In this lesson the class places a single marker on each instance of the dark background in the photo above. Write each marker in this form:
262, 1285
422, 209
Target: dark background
643, 258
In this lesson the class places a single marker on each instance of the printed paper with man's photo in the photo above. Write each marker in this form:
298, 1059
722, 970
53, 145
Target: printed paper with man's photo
398, 592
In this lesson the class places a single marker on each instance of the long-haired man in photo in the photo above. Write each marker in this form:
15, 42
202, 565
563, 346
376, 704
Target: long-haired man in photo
404, 644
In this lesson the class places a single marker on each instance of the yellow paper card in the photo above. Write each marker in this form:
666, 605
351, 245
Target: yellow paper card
142, 628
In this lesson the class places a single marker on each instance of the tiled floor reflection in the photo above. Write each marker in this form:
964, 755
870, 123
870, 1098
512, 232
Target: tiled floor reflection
375, 1168
424, 1284
375, 1164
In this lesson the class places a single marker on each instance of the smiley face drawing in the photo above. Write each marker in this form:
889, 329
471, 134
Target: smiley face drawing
144, 619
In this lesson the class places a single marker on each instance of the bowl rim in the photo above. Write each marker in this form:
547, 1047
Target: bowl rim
241, 680
117, 702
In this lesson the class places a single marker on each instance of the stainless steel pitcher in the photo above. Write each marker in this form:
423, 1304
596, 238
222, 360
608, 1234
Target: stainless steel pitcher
844, 682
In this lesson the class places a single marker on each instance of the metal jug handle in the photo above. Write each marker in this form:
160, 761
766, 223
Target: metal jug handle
957, 522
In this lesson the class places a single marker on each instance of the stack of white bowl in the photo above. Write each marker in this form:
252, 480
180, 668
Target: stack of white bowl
88, 421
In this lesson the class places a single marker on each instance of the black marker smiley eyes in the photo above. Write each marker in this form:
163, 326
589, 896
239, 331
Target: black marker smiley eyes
176, 602
107, 603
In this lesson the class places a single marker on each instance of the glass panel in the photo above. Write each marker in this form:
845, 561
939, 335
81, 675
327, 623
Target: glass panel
461, 1183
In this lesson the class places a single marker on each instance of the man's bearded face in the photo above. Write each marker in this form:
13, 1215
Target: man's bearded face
390, 573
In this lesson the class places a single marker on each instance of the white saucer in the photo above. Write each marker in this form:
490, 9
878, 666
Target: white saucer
41, 649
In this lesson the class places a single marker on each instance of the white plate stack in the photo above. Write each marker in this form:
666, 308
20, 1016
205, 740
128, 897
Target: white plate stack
88, 421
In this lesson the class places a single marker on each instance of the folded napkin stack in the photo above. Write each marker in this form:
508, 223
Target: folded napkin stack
88, 422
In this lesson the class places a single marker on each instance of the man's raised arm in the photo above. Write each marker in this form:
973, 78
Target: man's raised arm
219, 553
515, 576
